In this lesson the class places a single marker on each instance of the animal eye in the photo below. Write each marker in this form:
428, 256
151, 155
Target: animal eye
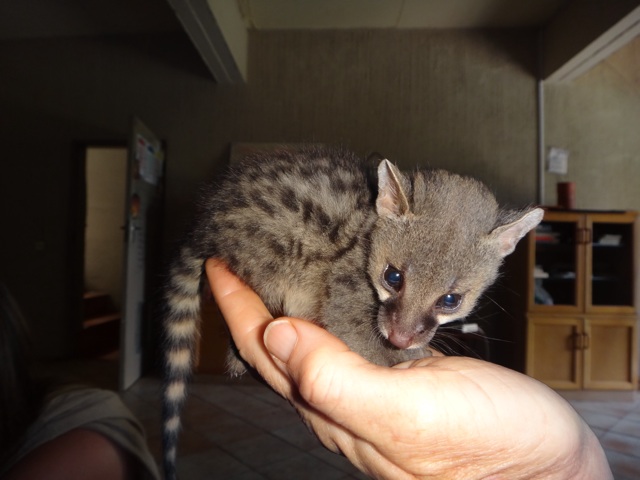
449, 302
393, 278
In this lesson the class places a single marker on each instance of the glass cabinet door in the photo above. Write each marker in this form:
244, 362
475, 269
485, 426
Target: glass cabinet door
610, 263
557, 263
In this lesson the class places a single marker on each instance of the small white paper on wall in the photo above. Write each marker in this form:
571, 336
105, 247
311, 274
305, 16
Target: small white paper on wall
558, 161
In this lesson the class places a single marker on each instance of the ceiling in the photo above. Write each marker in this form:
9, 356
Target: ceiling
336, 14
218, 28
20, 19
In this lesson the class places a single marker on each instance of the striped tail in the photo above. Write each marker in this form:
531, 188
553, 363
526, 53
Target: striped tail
182, 297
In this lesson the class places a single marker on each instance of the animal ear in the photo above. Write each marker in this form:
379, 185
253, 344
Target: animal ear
392, 200
507, 236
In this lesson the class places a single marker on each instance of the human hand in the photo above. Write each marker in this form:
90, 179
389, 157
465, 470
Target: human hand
437, 417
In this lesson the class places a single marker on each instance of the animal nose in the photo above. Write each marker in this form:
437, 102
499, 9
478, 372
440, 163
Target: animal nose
401, 340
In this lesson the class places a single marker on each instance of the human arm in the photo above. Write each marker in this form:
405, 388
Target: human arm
82, 433
437, 417
79, 454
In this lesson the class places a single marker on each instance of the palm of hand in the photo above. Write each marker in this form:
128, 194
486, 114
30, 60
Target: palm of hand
437, 417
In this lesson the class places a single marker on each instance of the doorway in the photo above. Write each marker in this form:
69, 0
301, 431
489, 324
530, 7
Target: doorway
115, 259
103, 277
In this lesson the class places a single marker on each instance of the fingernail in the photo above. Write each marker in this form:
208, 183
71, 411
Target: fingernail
280, 338
215, 262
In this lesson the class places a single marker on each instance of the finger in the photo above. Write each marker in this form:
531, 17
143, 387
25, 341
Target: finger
335, 381
247, 317
330, 378
242, 309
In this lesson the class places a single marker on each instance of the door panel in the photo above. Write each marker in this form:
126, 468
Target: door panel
552, 356
145, 169
557, 264
608, 355
610, 263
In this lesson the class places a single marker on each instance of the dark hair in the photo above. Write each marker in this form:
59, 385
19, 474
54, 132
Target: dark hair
20, 395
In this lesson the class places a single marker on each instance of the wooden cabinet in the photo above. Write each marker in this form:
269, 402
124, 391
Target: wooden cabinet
575, 352
582, 301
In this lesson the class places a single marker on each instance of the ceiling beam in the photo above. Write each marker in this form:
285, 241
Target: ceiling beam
221, 39
584, 33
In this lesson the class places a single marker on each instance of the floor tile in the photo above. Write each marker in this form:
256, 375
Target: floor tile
335, 460
302, 466
230, 428
260, 451
627, 427
623, 466
272, 418
633, 416
194, 442
201, 415
230, 399
599, 420
622, 444
298, 435
615, 409
247, 476
211, 465
258, 389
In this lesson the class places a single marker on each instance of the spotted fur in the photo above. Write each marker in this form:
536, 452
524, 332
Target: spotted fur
316, 238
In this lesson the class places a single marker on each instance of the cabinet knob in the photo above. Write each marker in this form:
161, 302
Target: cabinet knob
586, 341
578, 341
581, 341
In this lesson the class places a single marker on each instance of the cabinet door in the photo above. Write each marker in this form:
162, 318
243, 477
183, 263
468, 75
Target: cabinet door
553, 350
610, 353
610, 263
556, 260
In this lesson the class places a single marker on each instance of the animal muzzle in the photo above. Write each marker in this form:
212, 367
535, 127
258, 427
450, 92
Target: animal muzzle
401, 339
415, 336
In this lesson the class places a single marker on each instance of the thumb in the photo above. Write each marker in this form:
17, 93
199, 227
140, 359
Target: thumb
330, 378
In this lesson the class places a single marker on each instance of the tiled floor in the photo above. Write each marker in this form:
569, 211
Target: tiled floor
238, 430
241, 430
617, 424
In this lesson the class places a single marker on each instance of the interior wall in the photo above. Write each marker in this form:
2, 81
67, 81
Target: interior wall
463, 101
459, 100
55, 96
447, 99
596, 118
104, 232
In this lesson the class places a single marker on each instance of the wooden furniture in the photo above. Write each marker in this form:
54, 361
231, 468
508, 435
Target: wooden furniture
582, 301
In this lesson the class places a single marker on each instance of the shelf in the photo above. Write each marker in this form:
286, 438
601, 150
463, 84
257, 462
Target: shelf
582, 261
581, 317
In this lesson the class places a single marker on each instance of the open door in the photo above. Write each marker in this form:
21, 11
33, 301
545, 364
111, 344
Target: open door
145, 167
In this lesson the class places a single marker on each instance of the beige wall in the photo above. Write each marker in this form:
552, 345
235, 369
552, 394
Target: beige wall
597, 118
104, 245
460, 100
